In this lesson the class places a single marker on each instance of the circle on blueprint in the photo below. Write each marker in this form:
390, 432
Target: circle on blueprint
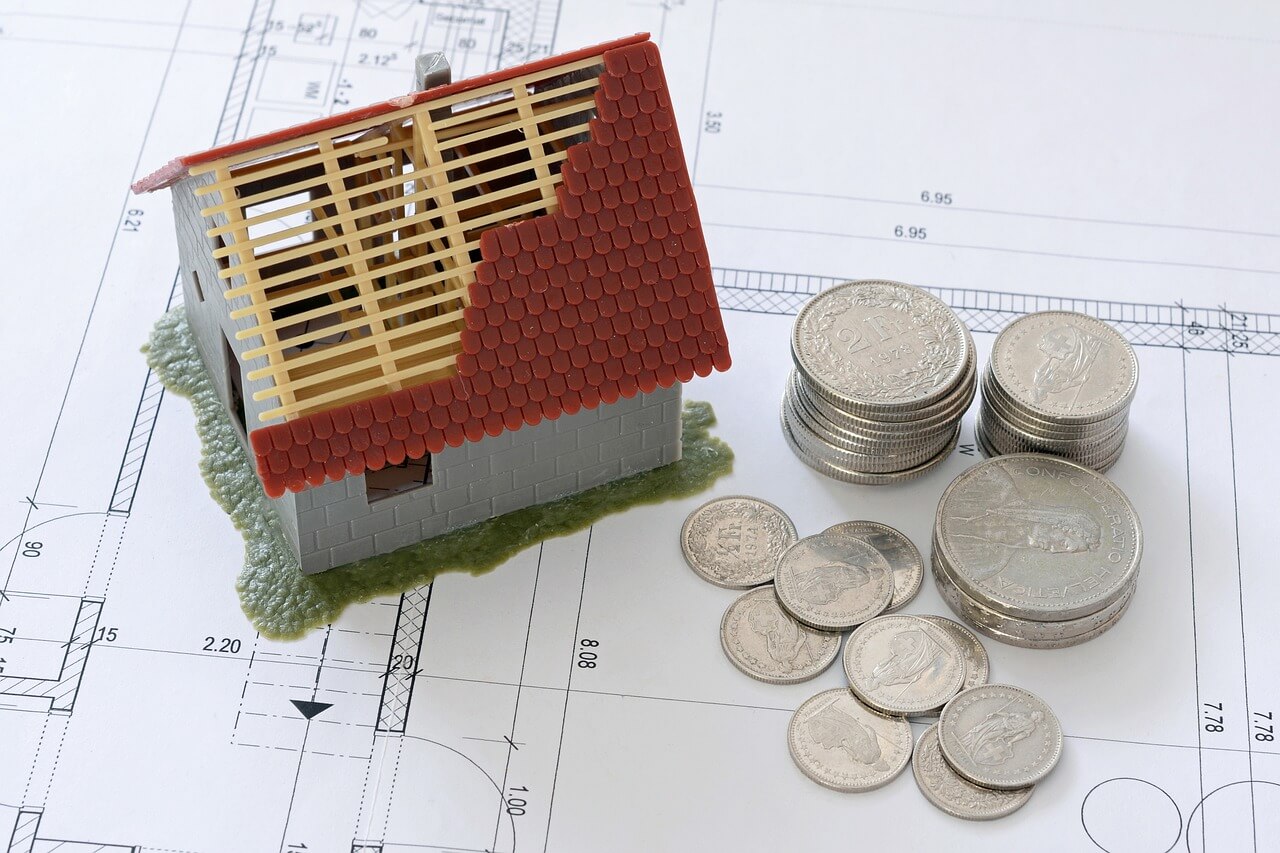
1248, 809
1128, 815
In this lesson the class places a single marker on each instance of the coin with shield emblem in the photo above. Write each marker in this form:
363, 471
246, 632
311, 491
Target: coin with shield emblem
735, 542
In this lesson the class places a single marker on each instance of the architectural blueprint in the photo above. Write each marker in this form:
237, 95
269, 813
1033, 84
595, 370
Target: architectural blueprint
1009, 156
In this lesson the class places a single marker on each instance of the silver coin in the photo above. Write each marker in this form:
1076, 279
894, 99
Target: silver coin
1027, 634
735, 542
999, 736
1037, 537
988, 450
1007, 432
903, 665
866, 463
903, 556
1032, 631
879, 345
1016, 441
857, 438
848, 475
993, 397
947, 408
958, 396
765, 642
953, 793
833, 582
841, 744
977, 665
1060, 642
1099, 458
1065, 367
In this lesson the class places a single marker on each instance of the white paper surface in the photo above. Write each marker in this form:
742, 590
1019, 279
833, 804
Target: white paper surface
1119, 162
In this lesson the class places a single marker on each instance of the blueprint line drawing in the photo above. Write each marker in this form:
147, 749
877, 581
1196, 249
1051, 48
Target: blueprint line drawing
138, 709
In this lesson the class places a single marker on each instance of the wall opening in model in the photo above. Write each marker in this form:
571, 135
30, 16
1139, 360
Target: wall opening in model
235, 385
397, 479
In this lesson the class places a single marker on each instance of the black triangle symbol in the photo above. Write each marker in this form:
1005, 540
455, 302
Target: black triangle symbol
310, 709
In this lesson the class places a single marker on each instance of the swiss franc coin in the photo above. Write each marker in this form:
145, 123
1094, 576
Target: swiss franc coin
766, 643
903, 556
1065, 367
999, 736
880, 345
832, 582
903, 665
1037, 537
953, 793
977, 665
735, 542
842, 744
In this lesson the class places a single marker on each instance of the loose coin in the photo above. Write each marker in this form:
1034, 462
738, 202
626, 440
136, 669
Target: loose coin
903, 665
1037, 537
953, 793
840, 743
762, 640
833, 582
977, 666
735, 542
999, 736
903, 556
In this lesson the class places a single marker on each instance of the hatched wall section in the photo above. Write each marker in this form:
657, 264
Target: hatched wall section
336, 524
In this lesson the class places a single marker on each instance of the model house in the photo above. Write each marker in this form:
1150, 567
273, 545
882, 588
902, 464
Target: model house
475, 298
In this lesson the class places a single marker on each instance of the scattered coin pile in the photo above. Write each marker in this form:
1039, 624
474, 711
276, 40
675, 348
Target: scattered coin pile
883, 374
1036, 551
991, 743
1061, 383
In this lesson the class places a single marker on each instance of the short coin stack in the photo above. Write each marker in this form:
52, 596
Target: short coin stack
1058, 382
883, 373
990, 747
1036, 551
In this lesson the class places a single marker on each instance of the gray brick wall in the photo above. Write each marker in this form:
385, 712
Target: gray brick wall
335, 523
208, 310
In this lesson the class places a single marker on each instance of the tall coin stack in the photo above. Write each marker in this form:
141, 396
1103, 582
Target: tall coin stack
1036, 551
883, 373
1058, 382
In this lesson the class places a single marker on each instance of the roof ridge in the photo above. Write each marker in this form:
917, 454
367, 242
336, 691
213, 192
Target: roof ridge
177, 168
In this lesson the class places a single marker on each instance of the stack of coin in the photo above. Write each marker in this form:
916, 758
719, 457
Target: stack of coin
883, 373
990, 747
1061, 383
1036, 551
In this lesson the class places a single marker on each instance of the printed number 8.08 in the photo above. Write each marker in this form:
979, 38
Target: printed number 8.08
586, 657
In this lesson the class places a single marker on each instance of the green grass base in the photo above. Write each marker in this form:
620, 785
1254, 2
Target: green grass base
283, 603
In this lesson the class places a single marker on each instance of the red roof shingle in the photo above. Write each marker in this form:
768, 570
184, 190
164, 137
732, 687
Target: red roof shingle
610, 296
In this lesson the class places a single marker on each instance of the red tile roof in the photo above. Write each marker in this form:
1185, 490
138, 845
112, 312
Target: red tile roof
609, 296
